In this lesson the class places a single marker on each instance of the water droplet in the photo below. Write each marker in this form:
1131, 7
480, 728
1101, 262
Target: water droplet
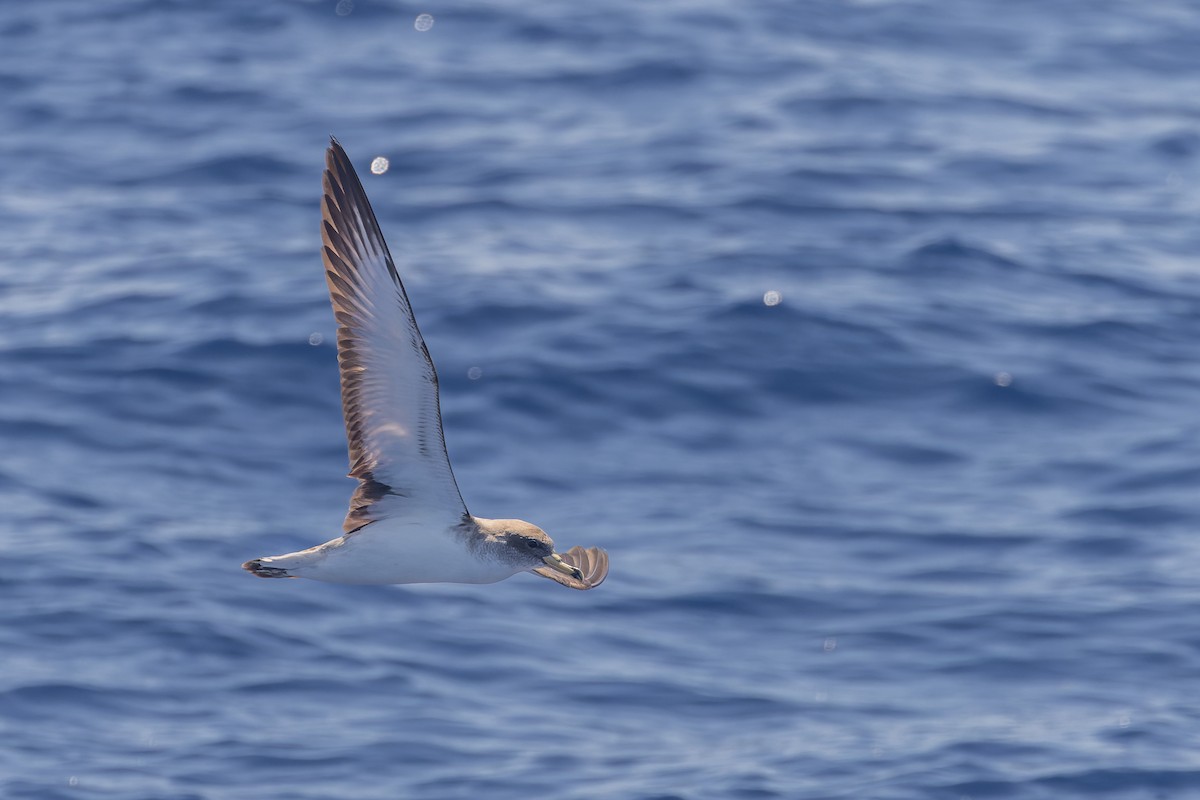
344, 7
379, 165
72, 781
829, 645
474, 373
424, 22
1002, 379
315, 338
772, 298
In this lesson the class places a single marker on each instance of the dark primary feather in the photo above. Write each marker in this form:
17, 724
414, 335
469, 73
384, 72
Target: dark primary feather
389, 384
591, 561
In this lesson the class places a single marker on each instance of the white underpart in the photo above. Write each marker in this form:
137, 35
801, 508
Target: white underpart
415, 549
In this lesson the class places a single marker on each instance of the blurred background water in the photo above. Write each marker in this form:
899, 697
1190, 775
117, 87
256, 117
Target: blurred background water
862, 335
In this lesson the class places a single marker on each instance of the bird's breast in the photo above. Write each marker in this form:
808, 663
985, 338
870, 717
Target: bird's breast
390, 551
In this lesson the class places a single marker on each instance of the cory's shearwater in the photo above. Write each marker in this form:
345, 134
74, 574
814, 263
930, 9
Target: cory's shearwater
407, 521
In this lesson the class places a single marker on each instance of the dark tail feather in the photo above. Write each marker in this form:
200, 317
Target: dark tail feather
263, 571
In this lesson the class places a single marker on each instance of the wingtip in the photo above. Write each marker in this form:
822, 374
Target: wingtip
595, 560
592, 562
335, 153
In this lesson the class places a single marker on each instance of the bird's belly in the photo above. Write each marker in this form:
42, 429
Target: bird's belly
399, 553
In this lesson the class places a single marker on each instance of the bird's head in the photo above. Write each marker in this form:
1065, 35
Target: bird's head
531, 547
527, 546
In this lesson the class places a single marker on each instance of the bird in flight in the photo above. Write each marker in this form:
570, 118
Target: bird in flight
407, 521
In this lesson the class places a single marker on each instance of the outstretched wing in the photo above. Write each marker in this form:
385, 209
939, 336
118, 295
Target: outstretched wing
591, 561
389, 384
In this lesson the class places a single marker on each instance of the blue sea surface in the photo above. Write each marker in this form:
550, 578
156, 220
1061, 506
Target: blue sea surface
864, 335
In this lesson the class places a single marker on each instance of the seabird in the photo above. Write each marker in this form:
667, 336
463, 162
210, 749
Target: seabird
407, 521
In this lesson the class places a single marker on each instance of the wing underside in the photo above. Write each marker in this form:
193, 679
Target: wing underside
389, 384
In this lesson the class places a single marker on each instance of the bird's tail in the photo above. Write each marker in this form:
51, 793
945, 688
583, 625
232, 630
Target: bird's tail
262, 569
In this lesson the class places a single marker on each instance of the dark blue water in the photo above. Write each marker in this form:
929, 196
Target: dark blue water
926, 528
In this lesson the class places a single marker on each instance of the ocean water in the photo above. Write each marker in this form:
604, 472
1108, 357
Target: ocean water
864, 336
